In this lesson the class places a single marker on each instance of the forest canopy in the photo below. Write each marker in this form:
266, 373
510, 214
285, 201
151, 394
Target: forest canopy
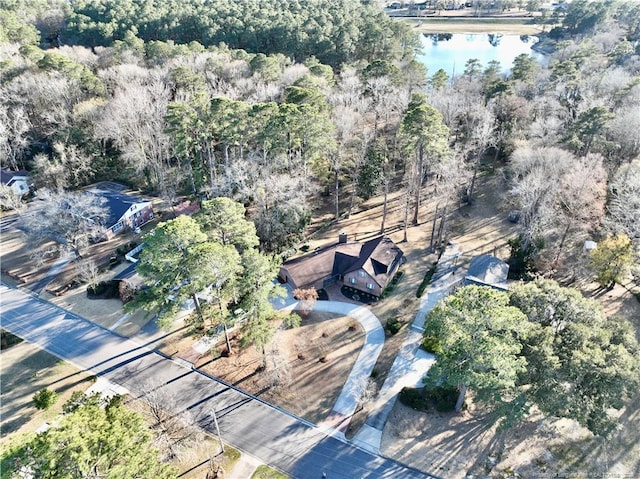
282, 107
334, 31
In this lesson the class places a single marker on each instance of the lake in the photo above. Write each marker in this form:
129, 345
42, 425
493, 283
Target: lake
451, 51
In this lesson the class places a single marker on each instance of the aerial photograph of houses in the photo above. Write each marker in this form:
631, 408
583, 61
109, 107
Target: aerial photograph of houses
320, 239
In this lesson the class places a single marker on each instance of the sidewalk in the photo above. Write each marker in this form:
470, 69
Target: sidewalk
412, 362
245, 467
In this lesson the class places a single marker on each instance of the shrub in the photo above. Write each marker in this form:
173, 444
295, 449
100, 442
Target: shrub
44, 399
291, 320
414, 398
392, 284
443, 399
393, 325
104, 289
7, 339
431, 344
425, 282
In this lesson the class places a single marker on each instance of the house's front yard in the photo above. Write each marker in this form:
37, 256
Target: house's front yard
306, 366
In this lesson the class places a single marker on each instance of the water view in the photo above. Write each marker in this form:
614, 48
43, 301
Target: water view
451, 51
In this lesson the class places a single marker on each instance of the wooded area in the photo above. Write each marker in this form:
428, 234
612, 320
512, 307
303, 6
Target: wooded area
273, 129
305, 105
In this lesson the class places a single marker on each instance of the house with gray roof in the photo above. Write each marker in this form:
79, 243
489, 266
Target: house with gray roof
487, 270
367, 267
125, 211
18, 181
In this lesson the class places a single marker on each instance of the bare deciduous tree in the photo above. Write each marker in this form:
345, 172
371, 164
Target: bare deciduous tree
14, 138
623, 209
174, 433
364, 389
278, 368
452, 173
69, 167
532, 192
71, 219
9, 200
580, 198
623, 130
134, 121
88, 271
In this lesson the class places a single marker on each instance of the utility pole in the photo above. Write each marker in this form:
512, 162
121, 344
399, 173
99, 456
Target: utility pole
215, 421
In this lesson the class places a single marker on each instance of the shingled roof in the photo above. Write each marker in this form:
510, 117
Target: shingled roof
487, 270
6, 175
375, 256
117, 203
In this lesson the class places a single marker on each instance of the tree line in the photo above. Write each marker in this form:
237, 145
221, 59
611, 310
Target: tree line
335, 32
272, 133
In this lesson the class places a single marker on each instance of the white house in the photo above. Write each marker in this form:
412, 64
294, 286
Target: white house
18, 181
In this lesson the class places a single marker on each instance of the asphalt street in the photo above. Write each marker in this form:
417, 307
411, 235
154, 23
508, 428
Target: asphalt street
275, 437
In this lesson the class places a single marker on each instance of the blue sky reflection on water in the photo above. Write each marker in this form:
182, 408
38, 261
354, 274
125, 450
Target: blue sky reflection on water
451, 55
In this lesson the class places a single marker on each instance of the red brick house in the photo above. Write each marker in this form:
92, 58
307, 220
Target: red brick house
367, 266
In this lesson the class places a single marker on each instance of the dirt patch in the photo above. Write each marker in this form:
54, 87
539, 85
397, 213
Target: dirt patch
445, 444
459, 445
25, 371
618, 301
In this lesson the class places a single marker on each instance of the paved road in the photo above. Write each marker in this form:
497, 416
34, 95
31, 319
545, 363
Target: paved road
288, 443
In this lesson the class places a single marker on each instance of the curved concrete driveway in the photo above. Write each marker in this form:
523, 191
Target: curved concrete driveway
349, 398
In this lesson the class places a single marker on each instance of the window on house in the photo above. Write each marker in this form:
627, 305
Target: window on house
361, 274
352, 280
369, 285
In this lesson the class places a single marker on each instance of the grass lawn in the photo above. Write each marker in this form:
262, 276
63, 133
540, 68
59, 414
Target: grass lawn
265, 472
26, 370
